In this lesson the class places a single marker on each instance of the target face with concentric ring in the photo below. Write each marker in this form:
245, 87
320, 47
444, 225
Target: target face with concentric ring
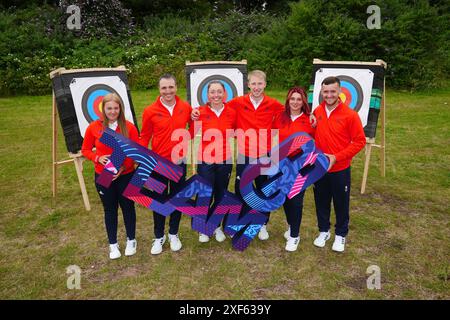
92, 101
351, 93
230, 89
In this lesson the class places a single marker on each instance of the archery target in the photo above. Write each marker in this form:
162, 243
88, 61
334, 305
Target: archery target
231, 78
356, 88
230, 89
88, 93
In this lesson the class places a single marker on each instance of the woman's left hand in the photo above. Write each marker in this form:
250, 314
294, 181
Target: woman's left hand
118, 173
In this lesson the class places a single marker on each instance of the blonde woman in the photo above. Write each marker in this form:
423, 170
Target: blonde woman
113, 118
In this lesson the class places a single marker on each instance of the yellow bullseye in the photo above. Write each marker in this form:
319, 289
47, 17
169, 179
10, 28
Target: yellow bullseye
100, 106
343, 97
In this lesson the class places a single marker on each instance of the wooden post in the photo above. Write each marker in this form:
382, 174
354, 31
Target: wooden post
383, 133
193, 155
54, 144
78, 160
368, 151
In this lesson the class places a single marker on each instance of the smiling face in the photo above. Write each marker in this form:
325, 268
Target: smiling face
330, 93
215, 95
168, 90
296, 103
112, 110
256, 85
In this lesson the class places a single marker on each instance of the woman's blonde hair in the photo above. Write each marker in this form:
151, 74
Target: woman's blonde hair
121, 119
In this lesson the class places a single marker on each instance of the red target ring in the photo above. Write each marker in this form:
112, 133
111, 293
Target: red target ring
351, 93
92, 101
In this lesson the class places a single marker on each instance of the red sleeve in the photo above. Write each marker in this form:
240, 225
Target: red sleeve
313, 132
233, 103
358, 139
279, 108
147, 129
89, 144
277, 122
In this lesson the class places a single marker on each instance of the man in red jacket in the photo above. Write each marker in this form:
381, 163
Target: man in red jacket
340, 135
159, 121
255, 115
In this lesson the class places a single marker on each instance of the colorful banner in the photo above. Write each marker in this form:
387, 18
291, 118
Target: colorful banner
293, 166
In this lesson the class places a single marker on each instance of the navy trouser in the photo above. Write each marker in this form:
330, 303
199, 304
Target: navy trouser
293, 208
111, 199
242, 163
333, 186
218, 175
159, 221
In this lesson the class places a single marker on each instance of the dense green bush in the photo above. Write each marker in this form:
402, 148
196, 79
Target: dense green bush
414, 40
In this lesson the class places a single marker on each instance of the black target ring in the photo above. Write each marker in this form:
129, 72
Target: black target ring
230, 88
92, 101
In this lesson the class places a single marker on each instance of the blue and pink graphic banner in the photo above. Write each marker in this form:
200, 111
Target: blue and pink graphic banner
292, 166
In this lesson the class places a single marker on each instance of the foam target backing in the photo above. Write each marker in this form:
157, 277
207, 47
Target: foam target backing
79, 96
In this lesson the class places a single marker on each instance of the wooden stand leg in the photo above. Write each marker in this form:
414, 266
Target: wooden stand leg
54, 144
383, 133
79, 168
366, 167
193, 158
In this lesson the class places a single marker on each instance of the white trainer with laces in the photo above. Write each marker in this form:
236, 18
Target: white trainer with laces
131, 247
114, 252
220, 236
322, 239
339, 244
175, 243
263, 234
203, 238
157, 245
292, 244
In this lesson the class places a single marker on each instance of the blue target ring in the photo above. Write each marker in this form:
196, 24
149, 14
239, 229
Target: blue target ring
92, 98
202, 92
351, 93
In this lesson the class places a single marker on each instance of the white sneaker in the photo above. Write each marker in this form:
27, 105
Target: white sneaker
131, 247
203, 237
114, 252
339, 244
263, 234
292, 244
220, 236
287, 234
322, 239
175, 243
157, 245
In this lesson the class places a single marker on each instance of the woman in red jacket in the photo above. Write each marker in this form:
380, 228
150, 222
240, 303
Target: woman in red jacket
295, 118
214, 156
114, 118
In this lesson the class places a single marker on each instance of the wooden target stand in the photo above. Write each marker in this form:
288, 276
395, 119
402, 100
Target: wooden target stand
370, 142
76, 158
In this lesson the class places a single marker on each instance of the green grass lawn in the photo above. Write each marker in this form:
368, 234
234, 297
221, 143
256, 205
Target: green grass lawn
401, 224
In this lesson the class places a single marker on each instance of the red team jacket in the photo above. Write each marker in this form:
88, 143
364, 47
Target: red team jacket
92, 139
158, 126
287, 127
261, 118
341, 135
209, 120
